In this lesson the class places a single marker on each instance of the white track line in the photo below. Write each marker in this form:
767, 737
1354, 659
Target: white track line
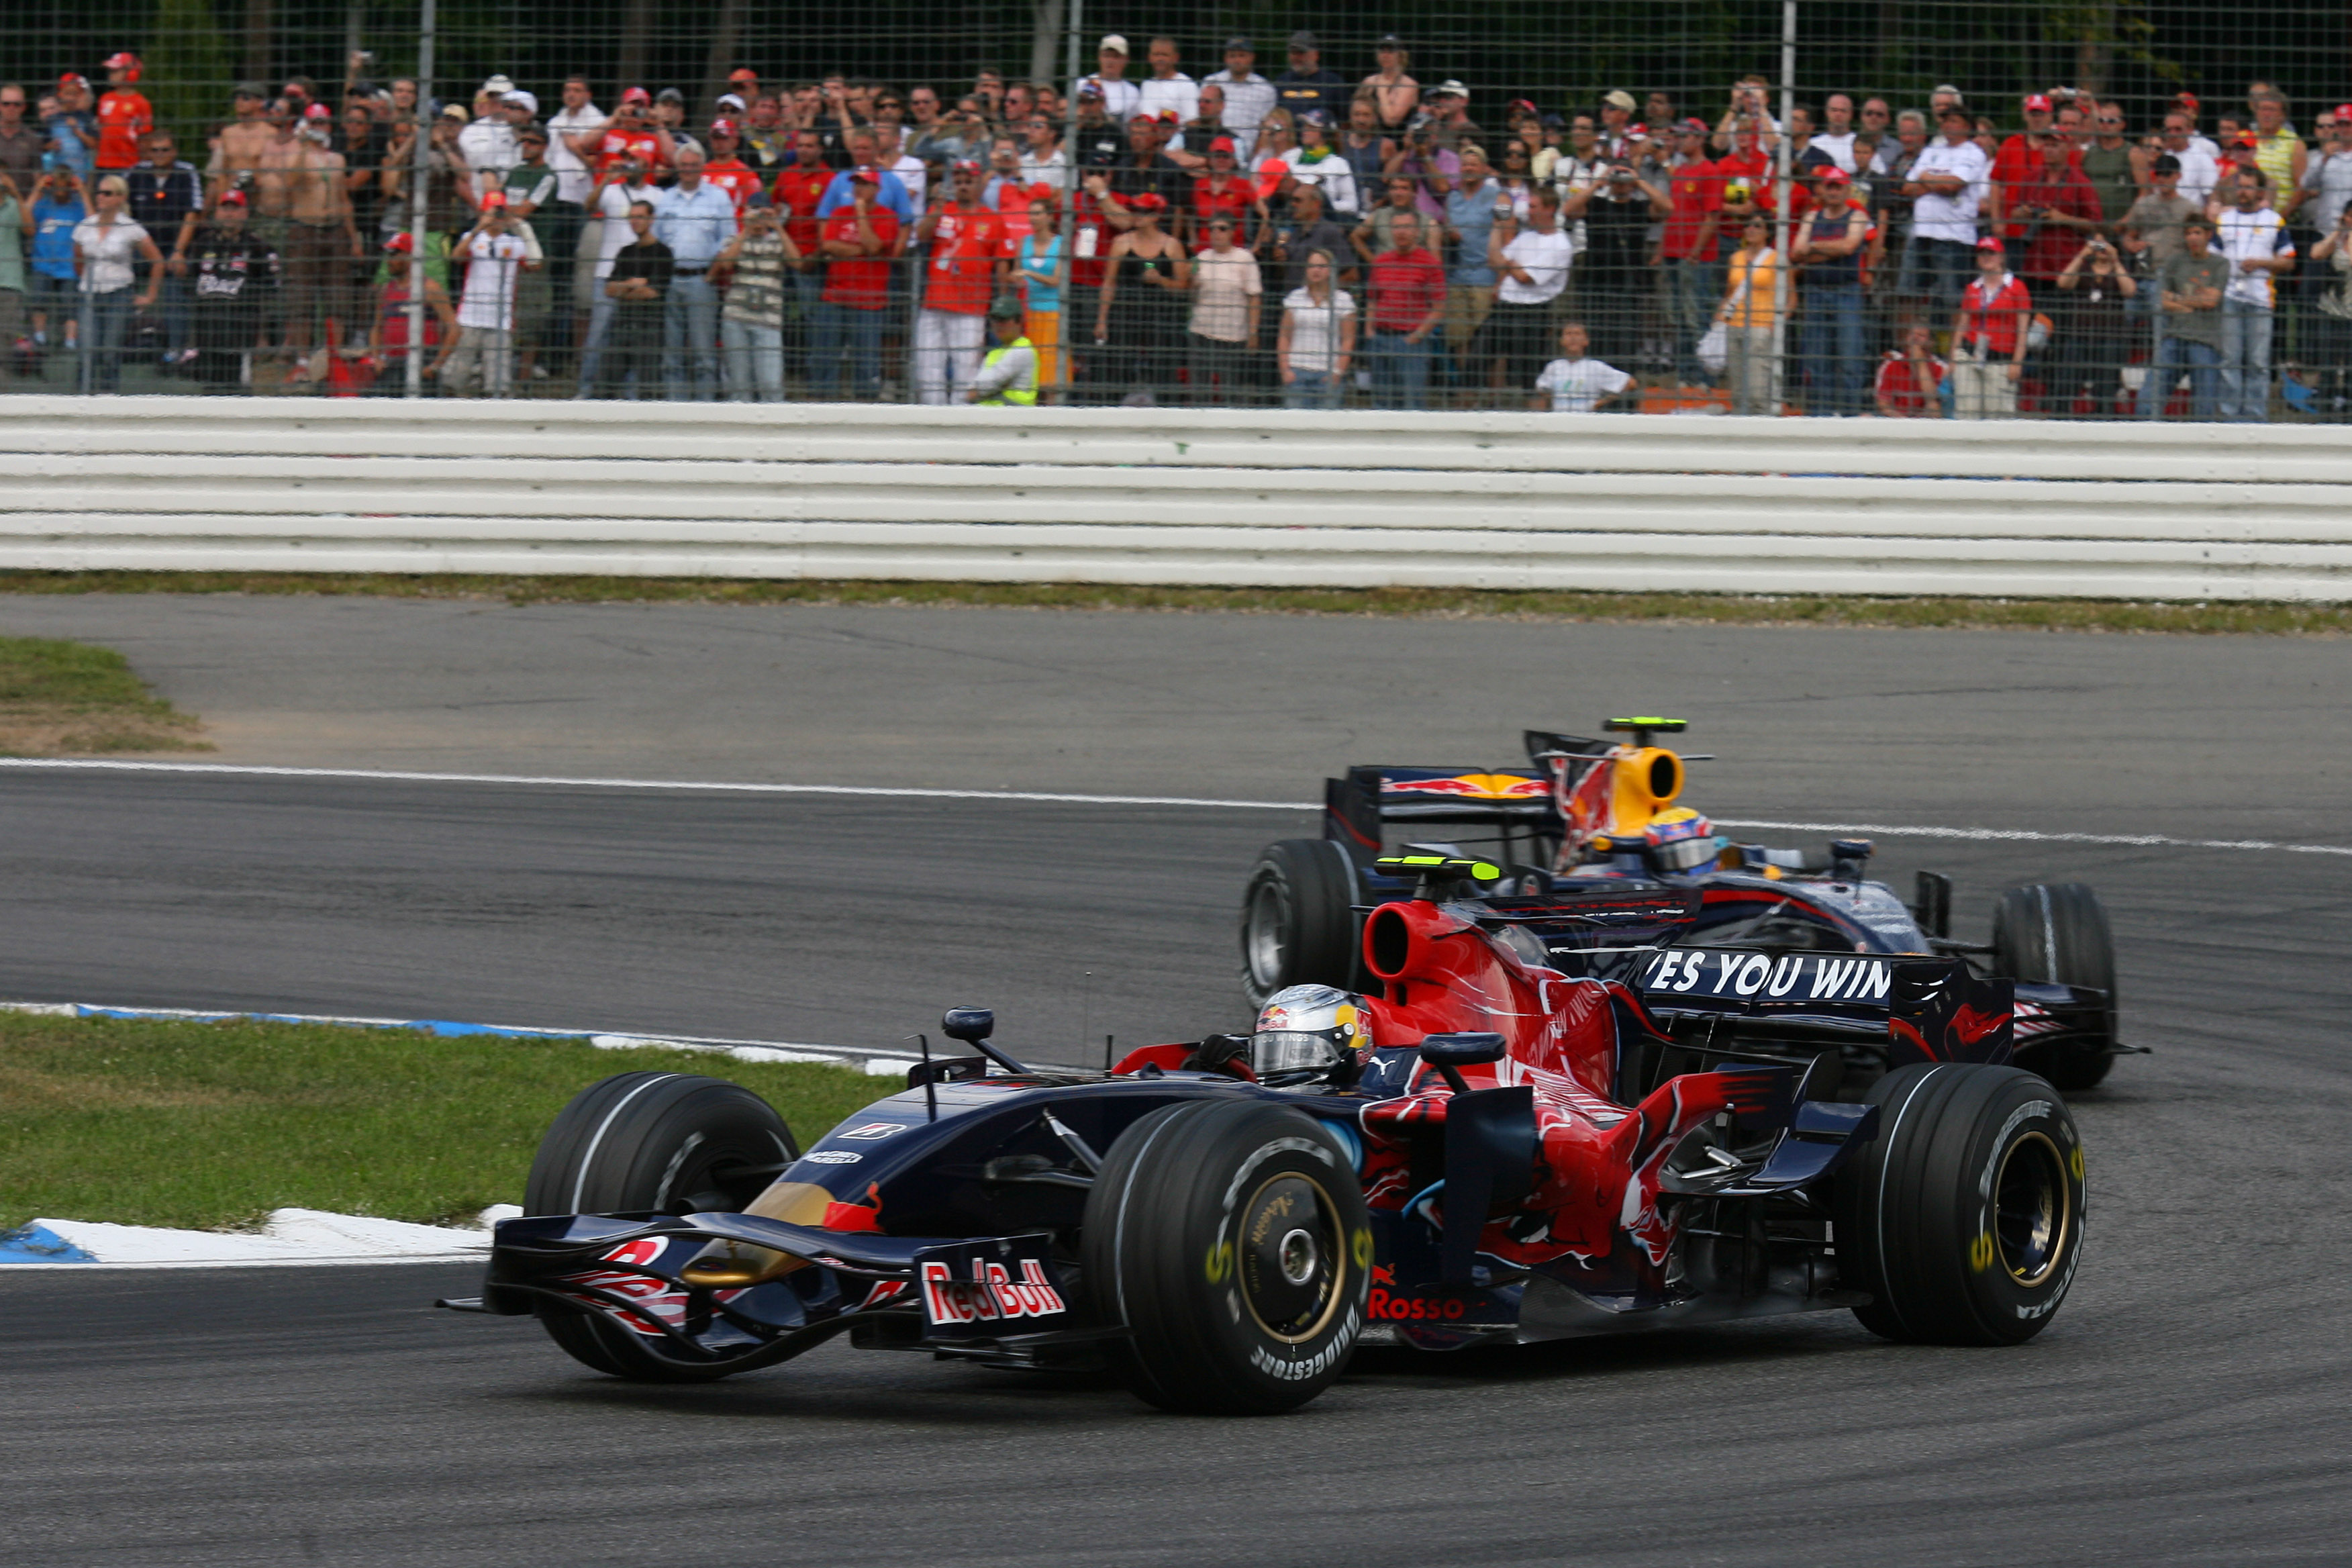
2003, 835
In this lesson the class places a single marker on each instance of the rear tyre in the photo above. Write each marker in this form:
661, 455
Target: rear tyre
1296, 925
1963, 1216
1230, 1237
2057, 933
663, 1143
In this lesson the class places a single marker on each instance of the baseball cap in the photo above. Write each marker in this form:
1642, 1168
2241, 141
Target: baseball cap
493, 199
1004, 308
2165, 163
1449, 87
1240, 43
400, 244
1988, 243
2037, 102
247, 89
1945, 87
124, 62
865, 178
73, 78
1833, 176
724, 128
669, 95
498, 86
1389, 41
2343, 113
759, 199
1619, 98
1303, 39
1149, 202
1091, 89
454, 111
1223, 144
531, 134
2187, 100
318, 111
636, 95
1692, 126
1045, 190
965, 167
743, 73
733, 100
232, 198
528, 101
1115, 42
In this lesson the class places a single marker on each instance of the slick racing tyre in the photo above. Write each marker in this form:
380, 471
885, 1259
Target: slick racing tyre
664, 1142
1297, 926
1229, 1237
2057, 933
1962, 1218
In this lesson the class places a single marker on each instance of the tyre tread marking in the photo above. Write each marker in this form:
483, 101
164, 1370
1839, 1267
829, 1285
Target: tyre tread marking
1885, 1268
588, 1156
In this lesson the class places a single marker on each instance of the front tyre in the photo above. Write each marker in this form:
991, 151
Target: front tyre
664, 1142
2056, 934
1229, 1236
1298, 925
1963, 1216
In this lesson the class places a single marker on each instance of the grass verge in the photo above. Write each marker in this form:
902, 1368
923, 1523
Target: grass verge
69, 699
208, 1126
1728, 609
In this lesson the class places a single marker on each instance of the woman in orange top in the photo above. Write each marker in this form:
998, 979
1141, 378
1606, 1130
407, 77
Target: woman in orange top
1751, 282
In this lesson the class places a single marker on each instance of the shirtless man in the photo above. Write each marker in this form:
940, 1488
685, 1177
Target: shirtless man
237, 149
321, 239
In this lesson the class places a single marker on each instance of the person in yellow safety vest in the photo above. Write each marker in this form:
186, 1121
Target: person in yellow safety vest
1009, 373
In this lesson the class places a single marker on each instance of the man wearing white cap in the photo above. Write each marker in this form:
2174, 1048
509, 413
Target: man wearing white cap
487, 144
1120, 97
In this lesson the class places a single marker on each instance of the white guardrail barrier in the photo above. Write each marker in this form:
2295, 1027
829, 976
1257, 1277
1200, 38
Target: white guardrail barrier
1179, 496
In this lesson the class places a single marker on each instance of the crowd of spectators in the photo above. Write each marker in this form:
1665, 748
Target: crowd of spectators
1266, 231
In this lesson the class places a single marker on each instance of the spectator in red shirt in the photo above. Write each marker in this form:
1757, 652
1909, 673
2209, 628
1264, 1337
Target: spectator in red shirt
1691, 247
798, 190
628, 135
2040, 204
967, 265
857, 243
1989, 338
726, 168
124, 115
2013, 162
1911, 378
1228, 191
1408, 294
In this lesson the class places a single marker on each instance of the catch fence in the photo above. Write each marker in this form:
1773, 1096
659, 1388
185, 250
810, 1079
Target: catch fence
1921, 208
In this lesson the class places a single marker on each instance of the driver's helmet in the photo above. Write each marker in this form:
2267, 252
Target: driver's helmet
1305, 1026
1679, 839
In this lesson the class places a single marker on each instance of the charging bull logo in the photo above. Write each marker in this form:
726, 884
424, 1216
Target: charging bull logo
995, 1296
1484, 786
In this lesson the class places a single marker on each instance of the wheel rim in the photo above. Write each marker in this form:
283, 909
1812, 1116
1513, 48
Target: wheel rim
1292, 1264
2033, 1209
1263, 944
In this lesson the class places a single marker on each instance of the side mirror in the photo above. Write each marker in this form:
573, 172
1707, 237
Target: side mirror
1449, 1054
970, 1024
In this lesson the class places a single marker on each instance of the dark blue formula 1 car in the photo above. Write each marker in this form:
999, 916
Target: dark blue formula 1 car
1492, 1150
1585, 815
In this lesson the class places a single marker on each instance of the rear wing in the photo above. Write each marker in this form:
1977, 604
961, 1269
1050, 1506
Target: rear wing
1927, 1009
1357, 806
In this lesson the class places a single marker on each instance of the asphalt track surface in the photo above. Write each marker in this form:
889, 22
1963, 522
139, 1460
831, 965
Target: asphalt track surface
2187, 1405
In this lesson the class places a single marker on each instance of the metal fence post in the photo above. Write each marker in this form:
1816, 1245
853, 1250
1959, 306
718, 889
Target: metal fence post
419, 184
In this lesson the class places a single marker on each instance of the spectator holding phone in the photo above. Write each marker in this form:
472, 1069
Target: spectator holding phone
2094, 332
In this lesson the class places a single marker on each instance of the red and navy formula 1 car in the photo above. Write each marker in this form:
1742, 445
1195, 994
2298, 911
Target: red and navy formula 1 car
1491, 1151
1587, 813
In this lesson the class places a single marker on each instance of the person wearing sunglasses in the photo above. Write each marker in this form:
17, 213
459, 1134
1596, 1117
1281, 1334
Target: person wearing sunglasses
2106, 161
